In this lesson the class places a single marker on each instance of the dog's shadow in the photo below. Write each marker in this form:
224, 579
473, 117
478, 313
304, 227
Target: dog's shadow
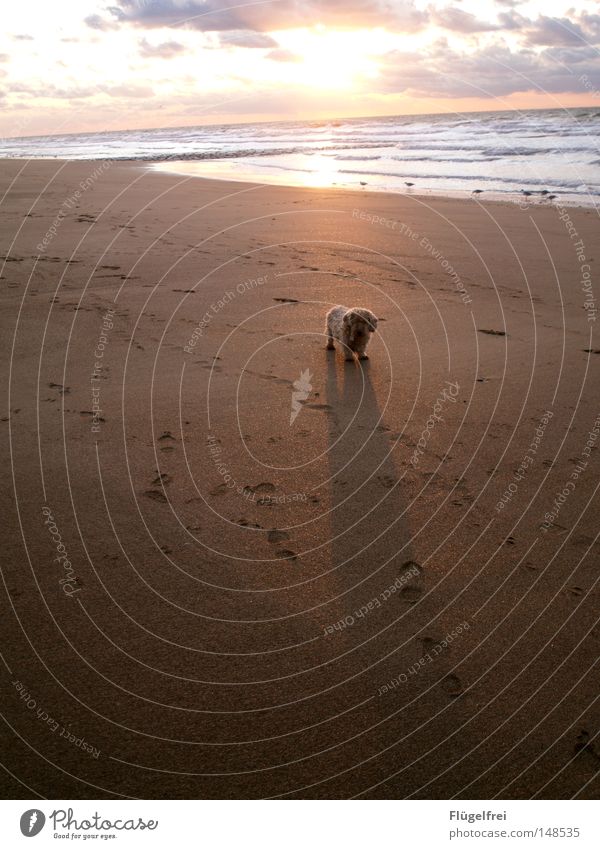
369, 536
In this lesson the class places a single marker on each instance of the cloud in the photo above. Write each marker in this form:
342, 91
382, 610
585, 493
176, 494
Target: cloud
54, 92
23, 37
545, 31
246, 38
591, 24
165, 50
495, 71
99, 23
223, 15
43, 92
127, 90
554, 31
457, 20
283, 56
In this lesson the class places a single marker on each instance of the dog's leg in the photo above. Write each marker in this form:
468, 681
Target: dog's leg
360, 350
330, 345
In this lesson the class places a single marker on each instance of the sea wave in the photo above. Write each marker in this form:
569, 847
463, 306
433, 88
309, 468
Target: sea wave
519, 149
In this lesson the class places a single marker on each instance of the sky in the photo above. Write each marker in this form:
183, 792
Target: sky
84, 66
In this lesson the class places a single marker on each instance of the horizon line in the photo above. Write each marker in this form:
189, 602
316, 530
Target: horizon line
300, 121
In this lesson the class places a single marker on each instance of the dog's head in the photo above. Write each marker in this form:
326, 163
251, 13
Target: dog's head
359, 322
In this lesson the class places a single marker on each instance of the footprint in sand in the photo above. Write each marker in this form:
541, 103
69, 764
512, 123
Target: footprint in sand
155, 495
166, 434
326, 408
411, 594
277, 536
246, 523
286, 554
452, 686
62, 390
584, 744
221, 489
492, 332
576, 592
261, 487
387, 481
411, 567
163, 478
427, 643
90, 413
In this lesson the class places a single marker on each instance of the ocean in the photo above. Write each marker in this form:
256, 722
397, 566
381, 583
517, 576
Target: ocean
503, 154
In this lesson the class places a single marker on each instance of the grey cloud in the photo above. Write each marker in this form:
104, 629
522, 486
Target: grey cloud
554, 31
513, 20
99, 23
571, 55
457, 20
165, 50
493, 72
222, 15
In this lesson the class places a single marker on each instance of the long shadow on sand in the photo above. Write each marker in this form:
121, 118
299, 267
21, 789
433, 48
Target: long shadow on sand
370, 539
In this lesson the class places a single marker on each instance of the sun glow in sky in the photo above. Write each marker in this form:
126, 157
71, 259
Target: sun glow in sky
323, 59
82, 65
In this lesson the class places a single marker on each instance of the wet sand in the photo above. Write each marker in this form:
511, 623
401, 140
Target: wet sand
380, 582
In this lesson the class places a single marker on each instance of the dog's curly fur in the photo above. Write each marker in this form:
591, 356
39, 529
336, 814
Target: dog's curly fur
352, 328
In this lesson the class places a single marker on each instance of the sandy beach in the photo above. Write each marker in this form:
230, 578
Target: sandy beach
237, 566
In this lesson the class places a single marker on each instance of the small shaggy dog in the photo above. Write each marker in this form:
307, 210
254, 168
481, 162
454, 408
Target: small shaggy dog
351, 328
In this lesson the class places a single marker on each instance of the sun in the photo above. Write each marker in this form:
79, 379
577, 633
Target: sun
335, 60
326, 59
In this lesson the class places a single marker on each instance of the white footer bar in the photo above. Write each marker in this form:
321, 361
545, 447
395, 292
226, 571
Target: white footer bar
301, 824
